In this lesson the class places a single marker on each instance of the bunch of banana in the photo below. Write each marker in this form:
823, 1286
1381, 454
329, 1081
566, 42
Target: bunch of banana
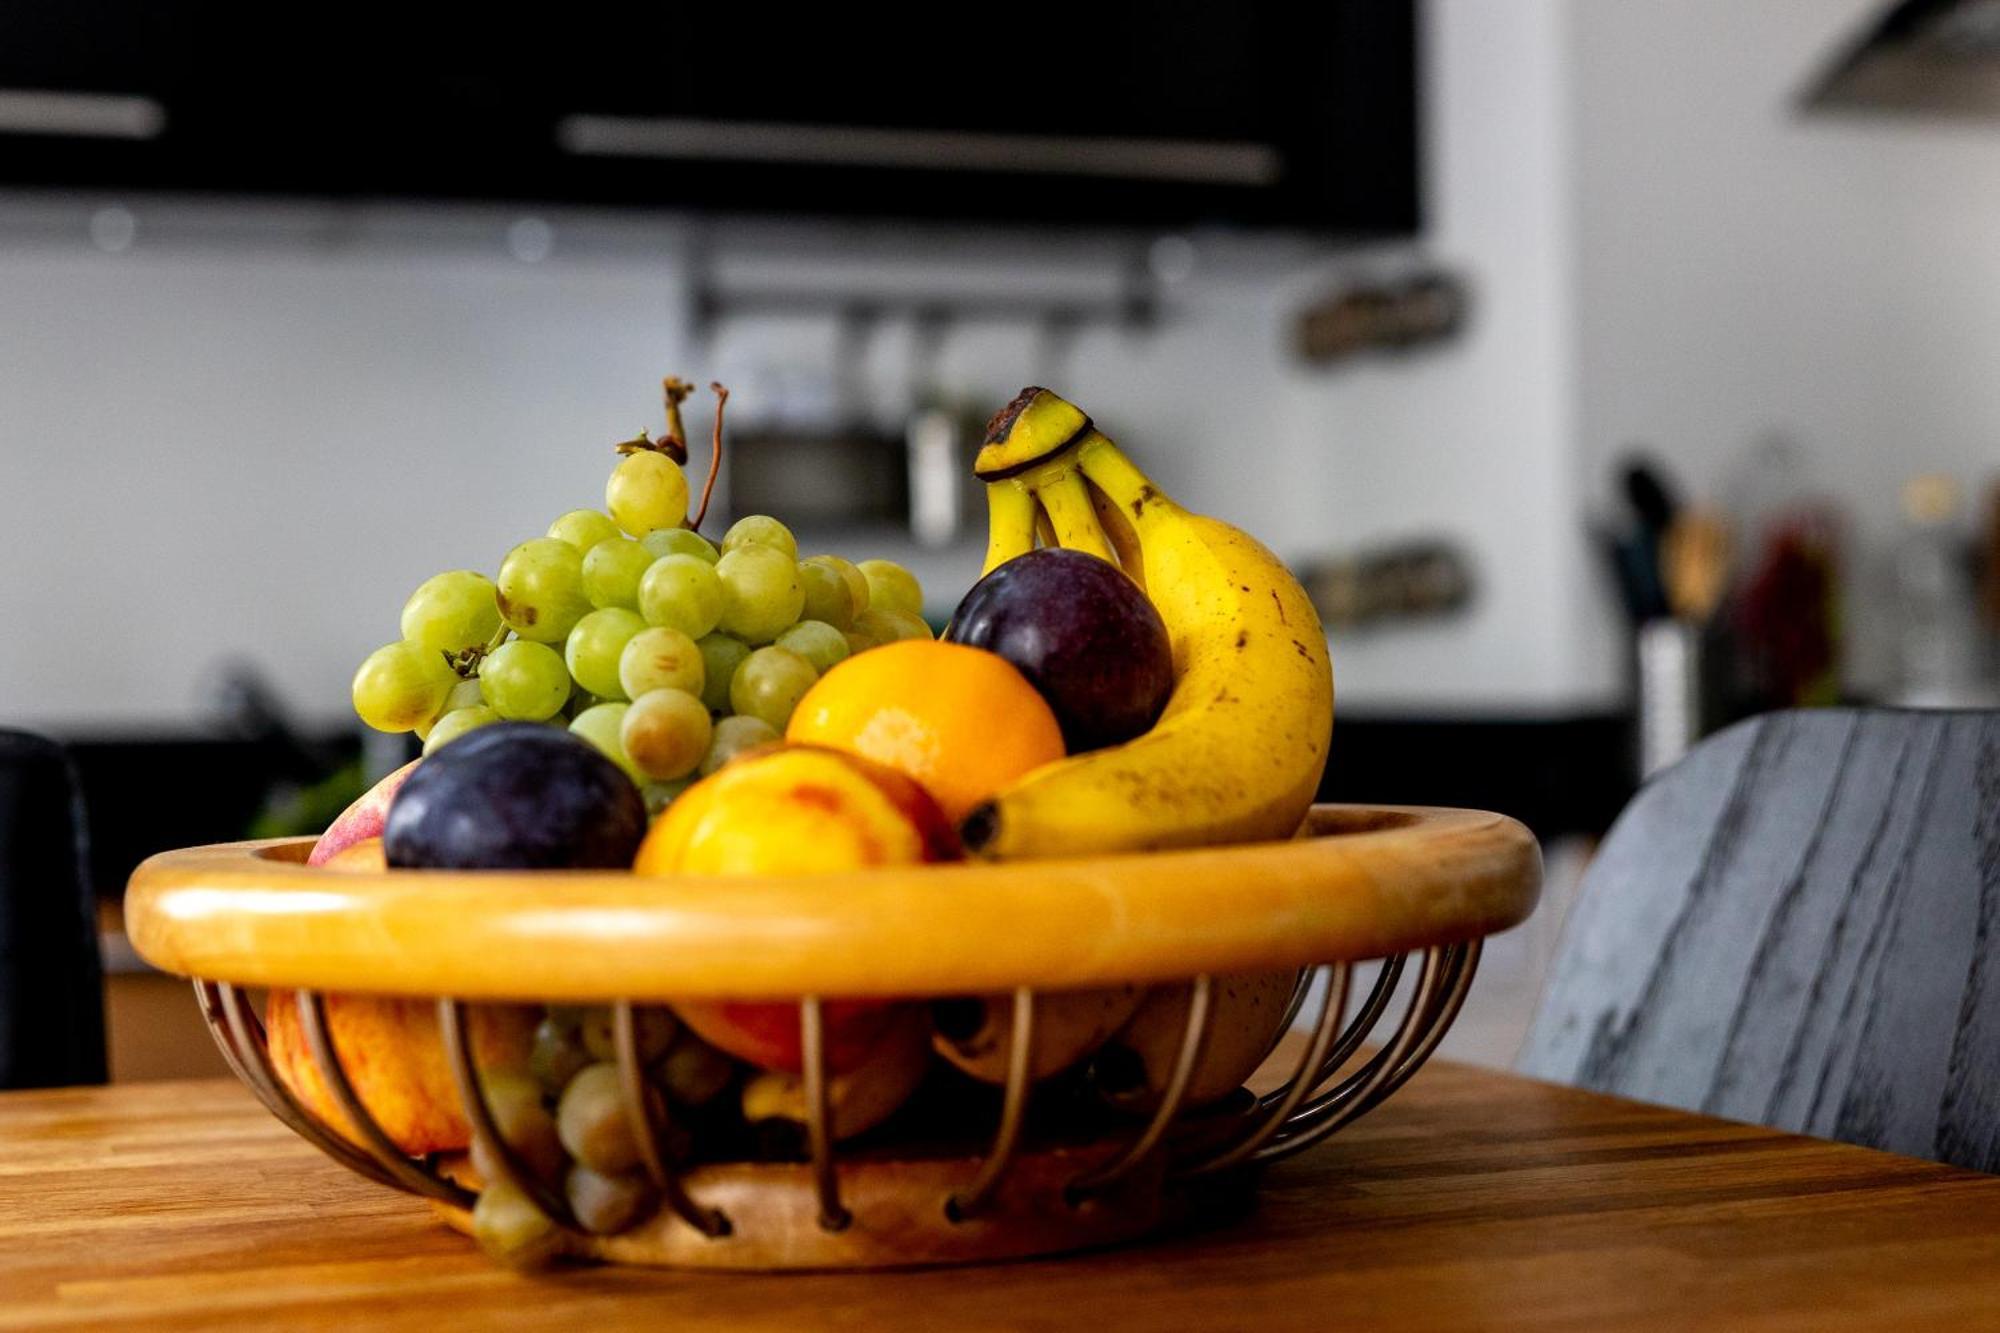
1246, 1017
976, 1033
1237, 754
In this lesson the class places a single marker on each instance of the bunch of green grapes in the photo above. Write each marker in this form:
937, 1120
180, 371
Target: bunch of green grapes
564, 1122
666, 652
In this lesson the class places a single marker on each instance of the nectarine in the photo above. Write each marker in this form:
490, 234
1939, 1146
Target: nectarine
795, 810
393, 1054
362, 820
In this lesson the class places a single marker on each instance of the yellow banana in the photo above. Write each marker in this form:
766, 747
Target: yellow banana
977, 1033
1238, 752
1246, 1015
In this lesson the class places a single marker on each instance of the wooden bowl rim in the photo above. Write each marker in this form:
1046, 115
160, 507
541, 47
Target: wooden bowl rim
1359, 882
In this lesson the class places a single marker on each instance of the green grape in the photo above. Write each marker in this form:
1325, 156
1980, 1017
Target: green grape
452, 612
665, 733
684, 592
593, 648
732, 736
910, 626
760, 530
770, 684
653, 1030
659, 795
599, 724
612, 570
694, 1073
880, 627
816, 641
856, 581
891, 587
456, 723
827, 597
591, 1120
512, 1230
761, 596
647, 490
605, 1204
557, 1054
720, 656
465, 694
583, 529
660, 658
514, 1099
524, 681
401, 686
541, 589
679, 541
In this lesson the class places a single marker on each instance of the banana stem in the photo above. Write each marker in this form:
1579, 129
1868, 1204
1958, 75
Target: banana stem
1128, 487
1070, 511
1118, 527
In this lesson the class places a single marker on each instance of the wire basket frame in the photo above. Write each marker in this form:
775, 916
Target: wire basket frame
1313, 1102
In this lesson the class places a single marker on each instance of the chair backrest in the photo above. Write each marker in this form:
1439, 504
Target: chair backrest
1799, 926
51, 982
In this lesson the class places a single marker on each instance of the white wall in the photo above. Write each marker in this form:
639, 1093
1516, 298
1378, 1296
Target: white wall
256, 445
1748, 268
1477, 440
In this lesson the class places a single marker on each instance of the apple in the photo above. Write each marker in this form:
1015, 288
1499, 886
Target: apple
795, 809
362, 820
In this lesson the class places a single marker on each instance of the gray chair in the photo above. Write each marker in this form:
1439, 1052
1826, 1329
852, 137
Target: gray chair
51, 981
1799, 926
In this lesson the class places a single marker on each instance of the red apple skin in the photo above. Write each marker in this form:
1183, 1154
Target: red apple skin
362, 820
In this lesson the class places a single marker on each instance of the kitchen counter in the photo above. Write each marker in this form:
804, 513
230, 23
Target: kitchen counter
1471, 1198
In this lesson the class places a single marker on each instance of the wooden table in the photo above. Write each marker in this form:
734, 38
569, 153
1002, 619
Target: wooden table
1470, 1199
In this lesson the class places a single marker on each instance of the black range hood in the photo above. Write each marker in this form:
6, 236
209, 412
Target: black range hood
1929, 56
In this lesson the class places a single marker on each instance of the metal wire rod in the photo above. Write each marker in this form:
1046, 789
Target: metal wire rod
419, 1179
819, 1116
1193, 1038
1330, 1113
246, 1050
487, 1140
1337, 976
647, 1117
1013, 1111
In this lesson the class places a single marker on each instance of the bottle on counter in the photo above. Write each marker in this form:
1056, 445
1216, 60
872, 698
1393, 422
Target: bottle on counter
1938, 649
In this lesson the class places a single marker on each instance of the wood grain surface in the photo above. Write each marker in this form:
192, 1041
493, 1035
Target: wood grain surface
1361, 882
1799, 925
1470, 1200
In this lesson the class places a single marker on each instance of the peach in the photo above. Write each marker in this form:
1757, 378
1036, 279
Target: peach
394, 1056
795, 810
358, 856
362, 820
390, 1048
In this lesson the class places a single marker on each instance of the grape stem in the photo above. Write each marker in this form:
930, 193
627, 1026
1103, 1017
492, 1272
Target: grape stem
466, 663
714, 455
674, 442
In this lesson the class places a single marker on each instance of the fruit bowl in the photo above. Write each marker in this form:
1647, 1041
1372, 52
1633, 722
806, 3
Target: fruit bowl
1416, 888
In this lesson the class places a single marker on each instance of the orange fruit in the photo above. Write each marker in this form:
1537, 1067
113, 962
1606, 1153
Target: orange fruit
961, 721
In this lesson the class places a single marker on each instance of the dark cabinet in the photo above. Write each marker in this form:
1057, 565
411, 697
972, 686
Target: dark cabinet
1285, 114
